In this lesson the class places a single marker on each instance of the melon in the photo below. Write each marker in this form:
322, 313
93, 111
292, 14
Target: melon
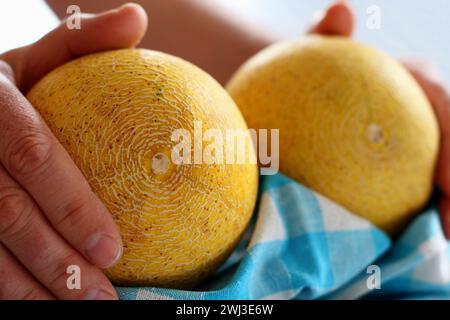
115, 113
354, 125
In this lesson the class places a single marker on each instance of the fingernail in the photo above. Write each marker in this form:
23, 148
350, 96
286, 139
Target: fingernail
103, 250
98, 294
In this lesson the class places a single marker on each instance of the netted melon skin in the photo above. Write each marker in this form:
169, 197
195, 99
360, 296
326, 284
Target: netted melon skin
113, 112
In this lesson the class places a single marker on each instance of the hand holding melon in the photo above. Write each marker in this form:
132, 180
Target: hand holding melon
354, 126
349, 118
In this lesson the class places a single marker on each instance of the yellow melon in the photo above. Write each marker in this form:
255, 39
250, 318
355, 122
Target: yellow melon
115, 113
354, 125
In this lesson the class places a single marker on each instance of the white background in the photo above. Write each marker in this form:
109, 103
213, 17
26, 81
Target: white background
408, 27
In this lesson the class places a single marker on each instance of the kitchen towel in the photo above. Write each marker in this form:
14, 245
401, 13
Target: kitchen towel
302, 245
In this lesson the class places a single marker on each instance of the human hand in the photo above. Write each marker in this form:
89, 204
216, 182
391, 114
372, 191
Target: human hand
49, 216
438, 92
339, 20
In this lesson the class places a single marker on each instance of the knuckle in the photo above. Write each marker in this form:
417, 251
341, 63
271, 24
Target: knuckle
72, 214
31, 293
11, 288
14, 212
57, 271
28, 155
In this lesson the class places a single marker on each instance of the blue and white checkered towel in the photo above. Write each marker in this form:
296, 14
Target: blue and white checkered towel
301, 245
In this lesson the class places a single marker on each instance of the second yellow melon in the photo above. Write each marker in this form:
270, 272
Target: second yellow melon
354, 125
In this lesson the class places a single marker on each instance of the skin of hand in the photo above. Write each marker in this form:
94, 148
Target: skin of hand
48, 214
49, 217
199, 31
339, 20
438, 92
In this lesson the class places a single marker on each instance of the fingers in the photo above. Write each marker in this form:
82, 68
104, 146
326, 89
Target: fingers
26, 233
39, 164
119, 28
34, 158
16, 283
337, 20
439, 95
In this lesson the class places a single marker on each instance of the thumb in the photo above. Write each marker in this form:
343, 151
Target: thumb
337, 20
113, 29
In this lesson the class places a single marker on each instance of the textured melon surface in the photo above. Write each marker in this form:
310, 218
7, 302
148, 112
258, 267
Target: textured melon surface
115, 112
354, 125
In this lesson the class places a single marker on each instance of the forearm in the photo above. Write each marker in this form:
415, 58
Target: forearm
196, 30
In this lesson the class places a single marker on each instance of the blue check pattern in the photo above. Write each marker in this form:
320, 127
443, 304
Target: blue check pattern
301, 245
